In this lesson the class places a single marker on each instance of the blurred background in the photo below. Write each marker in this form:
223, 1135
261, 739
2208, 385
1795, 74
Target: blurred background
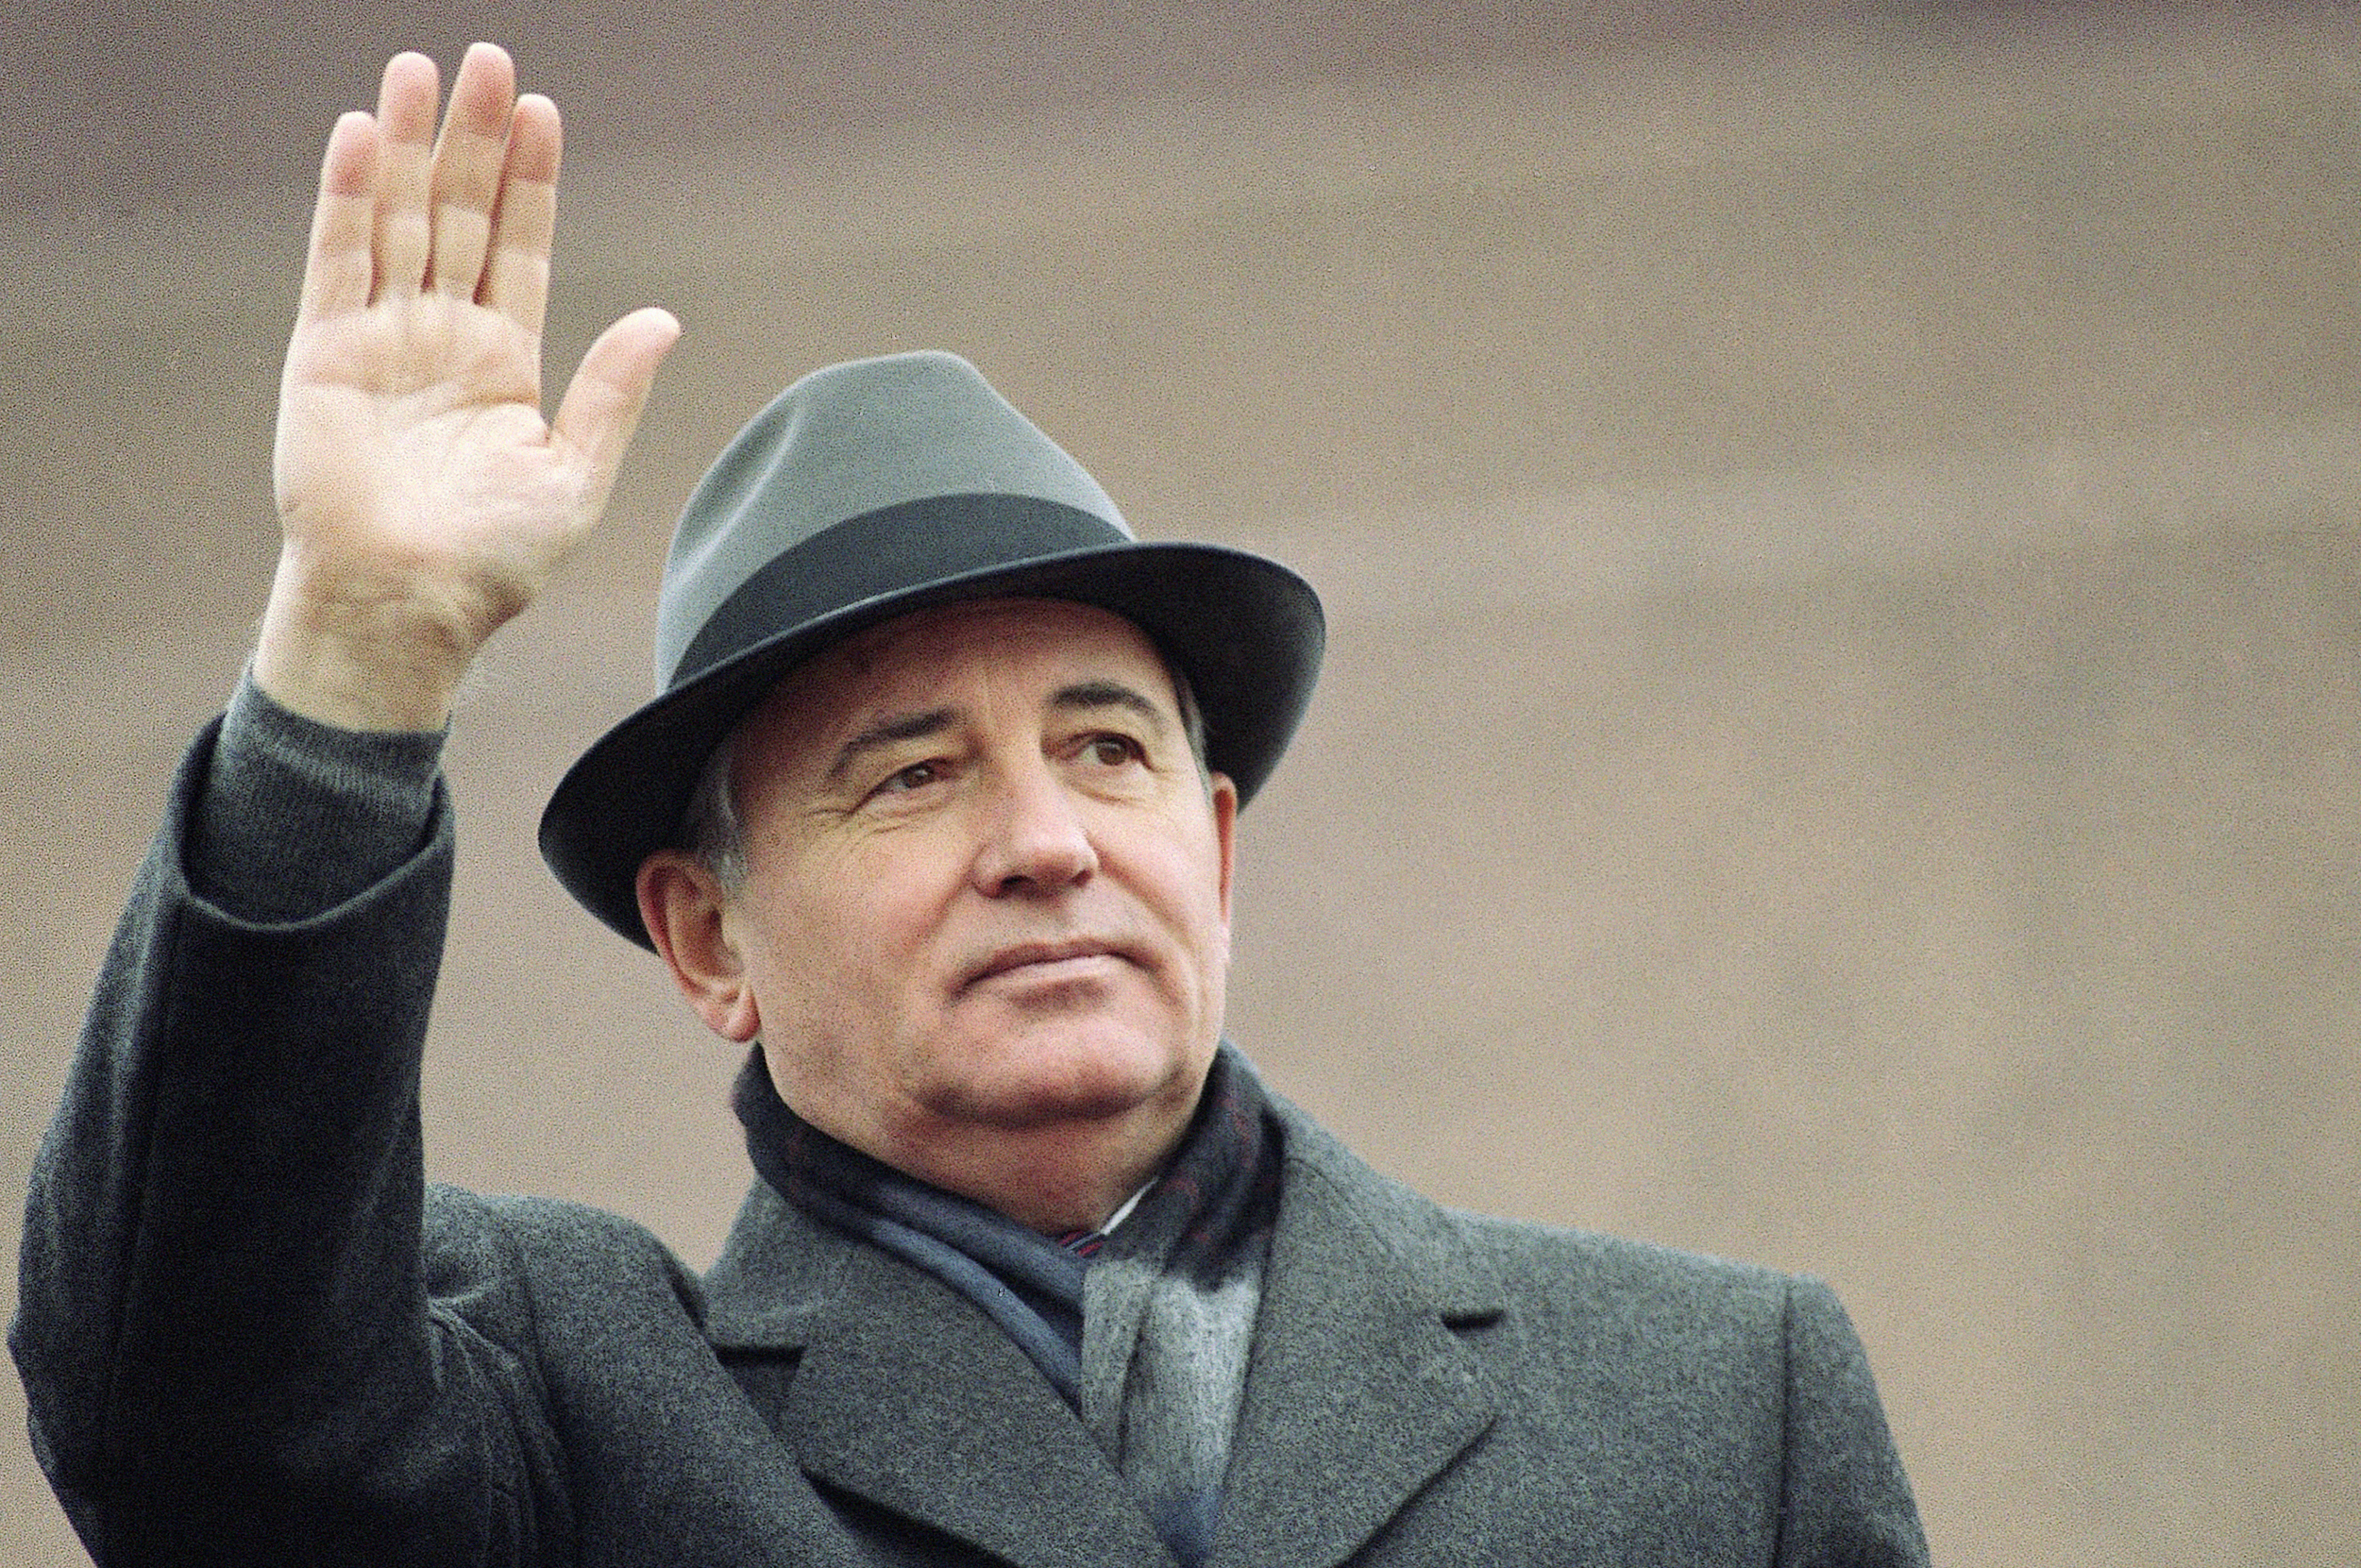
1840, 532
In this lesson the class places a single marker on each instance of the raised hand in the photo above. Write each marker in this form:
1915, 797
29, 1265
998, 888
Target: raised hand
424, 499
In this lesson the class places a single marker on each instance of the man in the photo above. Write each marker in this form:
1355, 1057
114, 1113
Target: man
934, 811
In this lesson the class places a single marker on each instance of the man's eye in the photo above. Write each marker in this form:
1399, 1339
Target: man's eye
1113, 751
917, 775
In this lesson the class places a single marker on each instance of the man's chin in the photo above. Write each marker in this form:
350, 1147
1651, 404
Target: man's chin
1040, 1084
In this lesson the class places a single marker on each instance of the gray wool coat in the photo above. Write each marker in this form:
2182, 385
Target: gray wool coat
250, 1333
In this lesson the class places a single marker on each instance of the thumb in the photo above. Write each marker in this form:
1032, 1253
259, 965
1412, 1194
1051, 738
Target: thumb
602, 403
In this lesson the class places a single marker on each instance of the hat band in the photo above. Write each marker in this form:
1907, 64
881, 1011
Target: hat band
899, 549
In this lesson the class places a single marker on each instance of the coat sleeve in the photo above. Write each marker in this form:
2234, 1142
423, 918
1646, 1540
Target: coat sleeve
1845, 1502
228, 1349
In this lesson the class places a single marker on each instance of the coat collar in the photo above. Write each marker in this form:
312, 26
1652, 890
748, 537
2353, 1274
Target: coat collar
1360, 1391
1362, 1387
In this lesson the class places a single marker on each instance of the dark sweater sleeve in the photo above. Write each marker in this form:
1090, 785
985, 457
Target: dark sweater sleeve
294, 817
228, 1348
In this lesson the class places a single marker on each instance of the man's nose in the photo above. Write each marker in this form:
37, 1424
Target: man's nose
1034, 839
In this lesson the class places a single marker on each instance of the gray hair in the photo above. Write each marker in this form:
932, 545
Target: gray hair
709, 826
712, 831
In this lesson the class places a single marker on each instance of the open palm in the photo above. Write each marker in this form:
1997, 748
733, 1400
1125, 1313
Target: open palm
423, 498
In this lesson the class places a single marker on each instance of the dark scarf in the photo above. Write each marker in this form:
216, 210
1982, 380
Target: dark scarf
1213, 1199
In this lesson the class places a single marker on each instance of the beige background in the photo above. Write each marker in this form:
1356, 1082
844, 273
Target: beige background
1840, 531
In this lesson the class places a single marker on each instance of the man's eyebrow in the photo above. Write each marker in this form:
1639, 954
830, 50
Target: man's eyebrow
889, 732
1084, 695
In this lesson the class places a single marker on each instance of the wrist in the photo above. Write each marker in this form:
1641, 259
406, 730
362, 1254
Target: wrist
357, 660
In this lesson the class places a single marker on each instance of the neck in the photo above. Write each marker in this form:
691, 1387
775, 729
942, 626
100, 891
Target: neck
1053, 1184
1054, 1174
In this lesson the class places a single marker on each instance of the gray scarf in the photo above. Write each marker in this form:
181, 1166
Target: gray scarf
1146, 1331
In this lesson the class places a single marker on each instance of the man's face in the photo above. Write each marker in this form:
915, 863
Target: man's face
986, 885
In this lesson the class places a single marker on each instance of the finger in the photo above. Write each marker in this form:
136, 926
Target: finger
516, 274
405, 120
602, 404
467, 169
337, 265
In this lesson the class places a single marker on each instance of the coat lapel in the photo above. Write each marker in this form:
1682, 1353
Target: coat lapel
1360, 1391
906, 1395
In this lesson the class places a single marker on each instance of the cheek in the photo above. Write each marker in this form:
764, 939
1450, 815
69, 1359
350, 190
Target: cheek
870, 920
1190, 874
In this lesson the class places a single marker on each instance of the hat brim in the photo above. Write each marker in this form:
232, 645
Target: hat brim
1246, 633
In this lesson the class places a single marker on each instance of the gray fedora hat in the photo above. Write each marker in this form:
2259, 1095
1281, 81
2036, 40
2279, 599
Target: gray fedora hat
870, 490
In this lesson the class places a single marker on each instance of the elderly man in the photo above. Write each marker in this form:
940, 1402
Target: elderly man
934, 811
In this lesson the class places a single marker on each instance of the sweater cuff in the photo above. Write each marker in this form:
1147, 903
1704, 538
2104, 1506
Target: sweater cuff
296, 816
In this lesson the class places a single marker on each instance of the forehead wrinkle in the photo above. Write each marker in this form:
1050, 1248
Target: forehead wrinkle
861, 657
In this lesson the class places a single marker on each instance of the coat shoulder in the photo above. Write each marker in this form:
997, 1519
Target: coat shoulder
1649, 1384
1556, 1270
1595, 1273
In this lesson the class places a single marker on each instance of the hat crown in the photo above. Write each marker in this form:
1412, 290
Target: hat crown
848, 442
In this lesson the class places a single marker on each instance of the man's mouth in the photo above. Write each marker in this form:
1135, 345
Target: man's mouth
1046, 959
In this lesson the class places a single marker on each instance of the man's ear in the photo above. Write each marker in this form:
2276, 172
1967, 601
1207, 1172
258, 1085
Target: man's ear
682, 903
1225, 801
